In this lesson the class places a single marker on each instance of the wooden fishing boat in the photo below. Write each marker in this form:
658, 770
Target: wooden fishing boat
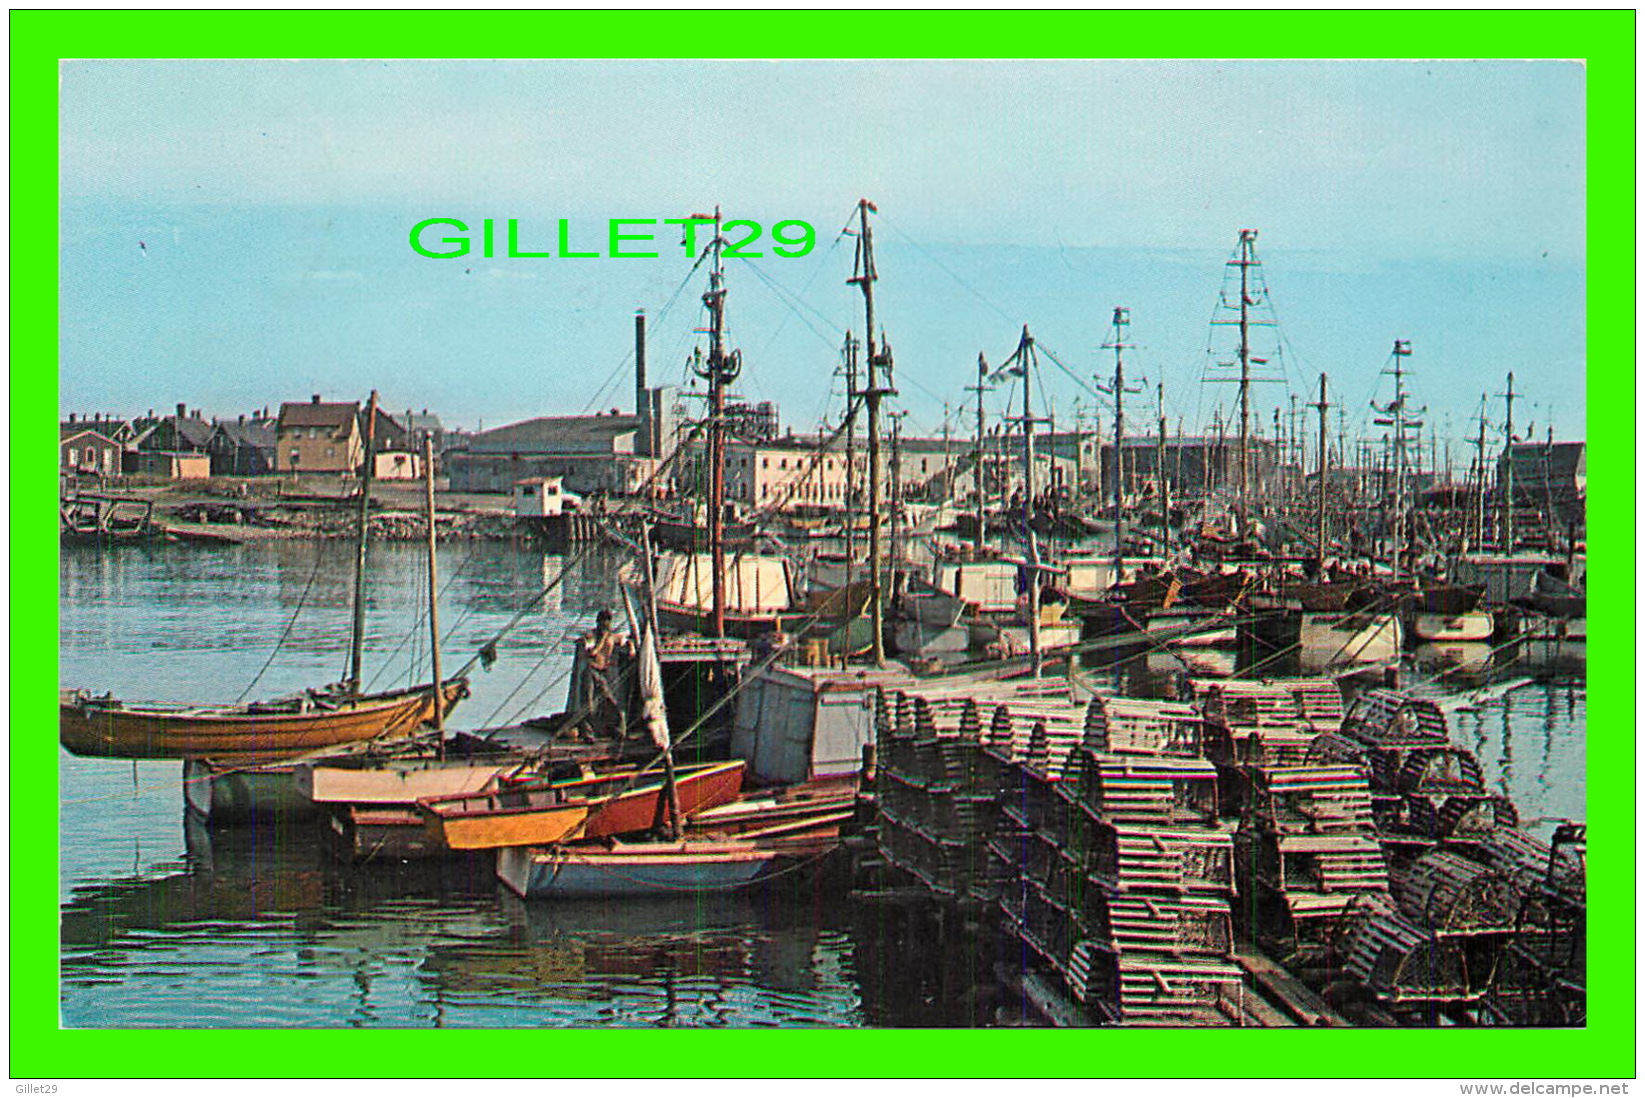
1555, 597
264, 731
702, 861
616, 803
271, 731
758, 591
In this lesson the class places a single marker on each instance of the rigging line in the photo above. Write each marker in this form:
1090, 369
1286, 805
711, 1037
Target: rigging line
575, 559
978, 294
315, 571
549, 651
821, 265
1081, 382
532, 703
785, 296
628, 357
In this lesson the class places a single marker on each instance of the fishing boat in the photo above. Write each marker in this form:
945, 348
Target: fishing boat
315, 719
615, 803
737, 848
758, 593
652, 869
1450, 613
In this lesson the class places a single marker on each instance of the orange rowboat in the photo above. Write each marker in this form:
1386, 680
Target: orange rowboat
611, 804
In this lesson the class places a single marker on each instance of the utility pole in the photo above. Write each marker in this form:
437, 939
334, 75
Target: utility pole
979, 538
879, 386
1117, 344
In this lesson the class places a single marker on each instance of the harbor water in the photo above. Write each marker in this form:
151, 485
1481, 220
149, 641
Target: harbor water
167, 925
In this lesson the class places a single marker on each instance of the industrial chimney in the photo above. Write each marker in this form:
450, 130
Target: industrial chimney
642, 399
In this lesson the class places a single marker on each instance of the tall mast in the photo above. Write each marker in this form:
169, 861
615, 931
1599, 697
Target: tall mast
720, 371
1164, 483
358, 637
1079, 453
433, 587
1324, 453
879, 386
1247, 242
1399, 418
979, 538
1122, 319
1508, 474
947, 450
851, 348
894, 496
1025, 356
1479, 479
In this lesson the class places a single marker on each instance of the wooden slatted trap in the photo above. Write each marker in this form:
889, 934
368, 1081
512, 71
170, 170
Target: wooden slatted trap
1451, 894
1401, 963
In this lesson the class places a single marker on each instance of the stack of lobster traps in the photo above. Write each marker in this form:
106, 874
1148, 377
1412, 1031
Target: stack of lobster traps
1427, 790
1542, 980
1118, 874
1307, 855
948, 756
1262, 723
1485, 922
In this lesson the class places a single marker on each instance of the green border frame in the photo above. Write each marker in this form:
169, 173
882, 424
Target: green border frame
1604, 39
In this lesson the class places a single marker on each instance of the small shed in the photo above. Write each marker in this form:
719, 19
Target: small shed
539, 497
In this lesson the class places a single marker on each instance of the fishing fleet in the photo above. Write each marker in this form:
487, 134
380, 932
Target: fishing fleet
920, 699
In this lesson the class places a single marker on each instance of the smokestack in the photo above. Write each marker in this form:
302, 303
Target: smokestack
642, 401
639, 363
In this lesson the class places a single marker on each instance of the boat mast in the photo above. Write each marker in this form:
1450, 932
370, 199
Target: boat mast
720, 371
1508, 475
1164, 484
357, 639
979, 538
1398, 418
1247, 243
894, 498
1025, 355
433, 589
851, 347
879, 386
1324, 453
1479, 479
1122, 319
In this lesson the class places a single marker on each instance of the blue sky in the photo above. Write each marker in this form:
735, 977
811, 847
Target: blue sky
1438, 202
